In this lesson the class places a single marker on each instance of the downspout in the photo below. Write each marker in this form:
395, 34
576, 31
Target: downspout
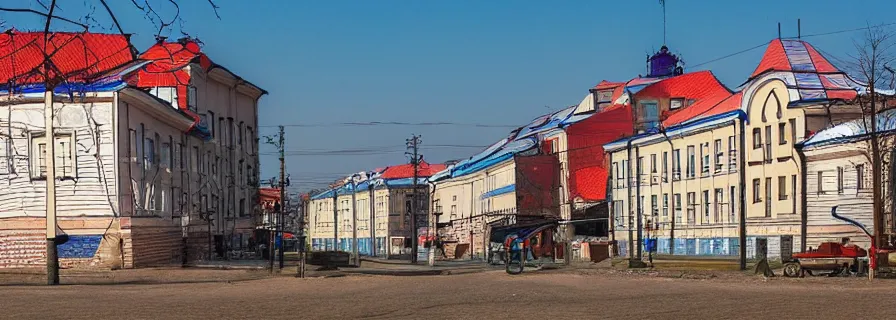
803, 204
470, 227
335, 220
672, 201
611, 208
639, 218
743, 196
373, 252
628, 187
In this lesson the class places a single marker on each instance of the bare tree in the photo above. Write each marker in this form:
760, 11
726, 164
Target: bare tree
871, 61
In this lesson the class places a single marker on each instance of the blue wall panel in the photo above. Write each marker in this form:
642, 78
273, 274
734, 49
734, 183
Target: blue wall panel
80, 246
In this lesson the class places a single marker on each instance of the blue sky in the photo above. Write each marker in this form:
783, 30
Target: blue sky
487, 62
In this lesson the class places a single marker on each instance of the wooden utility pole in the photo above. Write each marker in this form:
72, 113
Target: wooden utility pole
50, 160
280, 221
355, 255
413, 145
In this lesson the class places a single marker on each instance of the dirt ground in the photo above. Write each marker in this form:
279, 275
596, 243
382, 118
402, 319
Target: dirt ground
573, 294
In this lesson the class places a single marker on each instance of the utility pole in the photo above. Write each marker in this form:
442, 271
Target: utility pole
355, 254
413, 145
280, 221
50, 141
49, 137
275, 220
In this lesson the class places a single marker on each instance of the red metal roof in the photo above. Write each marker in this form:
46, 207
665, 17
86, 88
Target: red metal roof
776, 58
75, 57
167, 69
604, 84
407, 170
718, 103
695, 85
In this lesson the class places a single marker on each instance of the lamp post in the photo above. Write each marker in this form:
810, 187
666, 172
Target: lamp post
355, 255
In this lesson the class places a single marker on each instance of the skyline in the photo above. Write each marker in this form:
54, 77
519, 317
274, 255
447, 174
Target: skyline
498, 63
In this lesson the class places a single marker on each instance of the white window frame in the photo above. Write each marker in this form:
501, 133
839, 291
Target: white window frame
36, 139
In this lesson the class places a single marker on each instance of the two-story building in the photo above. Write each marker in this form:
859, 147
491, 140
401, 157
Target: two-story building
741, 174
122, 152
382, 212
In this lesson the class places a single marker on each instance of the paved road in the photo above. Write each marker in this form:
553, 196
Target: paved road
570, 295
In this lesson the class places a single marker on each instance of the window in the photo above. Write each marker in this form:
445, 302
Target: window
149, 152
64, 149
617, 175
792, 130
250, 140
639, 167
242, 207
732, 204
230, 134
676, 103
706, 206
757, 138
194, 164
860, 177
793, 192
840, 180
665, 170
624, 167
732, 154
665, 205
756, 191
221, 131
191, 98
166, 155
653, 163
177, 157
211, 124
240, 134
768, 197
820, 182
676, 202
719, 154
782, 188
692, 199
618, 214
654, 209
676, 165
691, 162
717, 209
782, 133
704, 161
768, 144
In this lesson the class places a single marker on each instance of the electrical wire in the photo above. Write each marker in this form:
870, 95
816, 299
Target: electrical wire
394, 123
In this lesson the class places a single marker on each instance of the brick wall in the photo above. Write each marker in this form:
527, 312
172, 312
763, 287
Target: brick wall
22, 249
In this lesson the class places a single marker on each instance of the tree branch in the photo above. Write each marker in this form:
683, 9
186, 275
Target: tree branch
45, 15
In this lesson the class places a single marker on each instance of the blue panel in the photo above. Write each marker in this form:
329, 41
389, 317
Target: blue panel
691, 247
717, 246
807, 95
798, 55
733, 247
623, 248
663, 244
80, 246
681, 246
808, 81
499, 191
705, 247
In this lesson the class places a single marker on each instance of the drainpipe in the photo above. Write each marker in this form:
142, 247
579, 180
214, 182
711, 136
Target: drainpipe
640, 205
743, 196
471, 220
628, 187
611, 178
373, 252
672, 193
335, 220
803, 204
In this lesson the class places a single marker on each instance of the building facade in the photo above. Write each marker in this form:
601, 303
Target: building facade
123, 159
742, 176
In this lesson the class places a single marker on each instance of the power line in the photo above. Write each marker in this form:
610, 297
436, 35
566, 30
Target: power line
395, 123
802, 36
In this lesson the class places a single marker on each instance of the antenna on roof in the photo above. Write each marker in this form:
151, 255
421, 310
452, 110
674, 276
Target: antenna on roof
779, 31
663, 3
798, 27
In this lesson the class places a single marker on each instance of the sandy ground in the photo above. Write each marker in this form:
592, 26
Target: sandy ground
572, 294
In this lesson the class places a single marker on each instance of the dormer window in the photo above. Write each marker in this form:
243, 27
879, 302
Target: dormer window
675, 104
191, 98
